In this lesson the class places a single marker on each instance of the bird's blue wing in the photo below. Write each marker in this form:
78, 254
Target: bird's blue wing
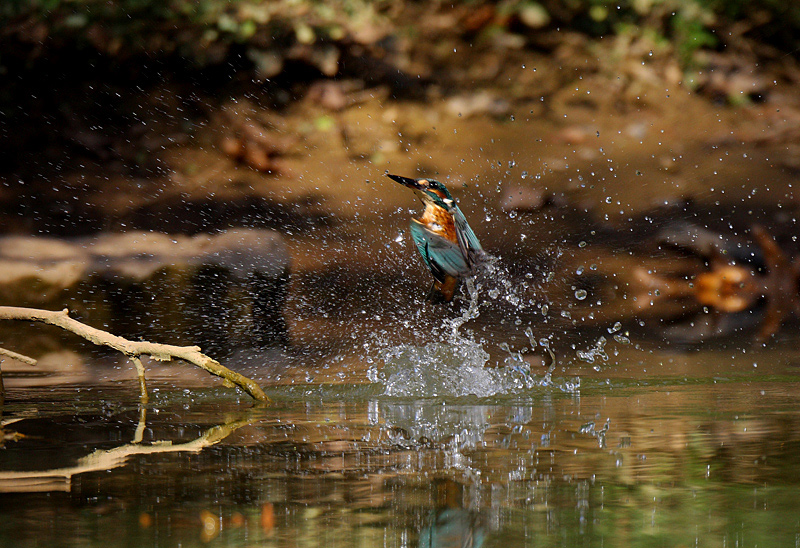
420, 236
441, 256
466, 237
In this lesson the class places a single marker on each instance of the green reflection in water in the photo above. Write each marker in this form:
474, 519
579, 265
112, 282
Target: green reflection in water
694, 464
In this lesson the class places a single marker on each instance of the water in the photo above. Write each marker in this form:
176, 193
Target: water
418, 426
694, 462
429, 441
576, 396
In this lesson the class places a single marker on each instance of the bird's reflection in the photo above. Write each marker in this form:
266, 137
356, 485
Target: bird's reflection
451, 525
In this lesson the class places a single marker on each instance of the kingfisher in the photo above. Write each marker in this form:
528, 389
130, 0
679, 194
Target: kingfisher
448, 246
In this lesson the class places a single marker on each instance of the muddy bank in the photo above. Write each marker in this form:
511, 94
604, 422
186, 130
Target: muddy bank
146, 138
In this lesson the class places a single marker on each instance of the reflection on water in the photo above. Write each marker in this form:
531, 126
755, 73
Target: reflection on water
451, 524
711, 462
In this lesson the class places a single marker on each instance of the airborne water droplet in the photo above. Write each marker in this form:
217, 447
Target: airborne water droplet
580, 294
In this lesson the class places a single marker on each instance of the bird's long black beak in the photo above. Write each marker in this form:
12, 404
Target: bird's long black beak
405, 181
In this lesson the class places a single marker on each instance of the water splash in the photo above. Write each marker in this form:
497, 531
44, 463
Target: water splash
455, 428
436, 369
452, 362
594, 354
446, 370
456, 365
600, 434
472, 312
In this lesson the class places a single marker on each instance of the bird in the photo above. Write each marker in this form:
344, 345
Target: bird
448, 246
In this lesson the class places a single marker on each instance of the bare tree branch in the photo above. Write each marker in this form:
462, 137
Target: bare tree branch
19, 357
134, 349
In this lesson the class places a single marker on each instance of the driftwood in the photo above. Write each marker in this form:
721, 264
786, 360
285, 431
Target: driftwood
132, 349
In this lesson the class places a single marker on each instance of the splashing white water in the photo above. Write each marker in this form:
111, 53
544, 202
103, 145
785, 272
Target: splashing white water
472, 312
455, 366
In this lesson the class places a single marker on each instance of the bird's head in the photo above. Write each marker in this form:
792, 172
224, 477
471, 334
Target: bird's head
428, 190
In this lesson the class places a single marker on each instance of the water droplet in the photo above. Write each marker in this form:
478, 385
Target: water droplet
622, 339
580, 294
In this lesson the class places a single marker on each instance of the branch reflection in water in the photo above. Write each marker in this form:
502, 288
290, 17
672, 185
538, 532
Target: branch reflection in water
60, 479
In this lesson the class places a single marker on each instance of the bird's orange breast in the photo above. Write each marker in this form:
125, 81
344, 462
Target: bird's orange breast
440, 222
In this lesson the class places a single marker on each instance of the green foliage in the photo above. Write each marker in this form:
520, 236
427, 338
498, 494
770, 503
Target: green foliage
191, 27
691, 31
689, 25
203, 29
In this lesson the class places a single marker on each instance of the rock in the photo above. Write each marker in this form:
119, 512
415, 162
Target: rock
337, 95
330, 95
220, 291
477, 103
533, 15
268, 64
252, 139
